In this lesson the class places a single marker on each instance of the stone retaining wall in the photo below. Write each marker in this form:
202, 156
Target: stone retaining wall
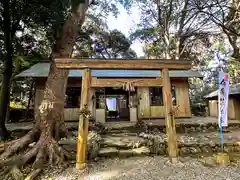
158, 145
187, 128
147, 144
161, 148
180, 128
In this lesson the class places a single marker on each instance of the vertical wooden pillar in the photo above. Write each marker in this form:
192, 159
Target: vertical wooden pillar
83, 126
169, 118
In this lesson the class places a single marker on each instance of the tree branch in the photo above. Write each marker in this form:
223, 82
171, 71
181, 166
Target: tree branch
109, 56
183, 17
16, 16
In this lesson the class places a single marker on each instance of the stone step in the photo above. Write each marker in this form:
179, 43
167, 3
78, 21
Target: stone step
114, 152
121, 131
123, 141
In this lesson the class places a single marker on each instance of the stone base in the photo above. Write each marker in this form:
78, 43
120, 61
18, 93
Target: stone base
174, 160
223, 159
80, 165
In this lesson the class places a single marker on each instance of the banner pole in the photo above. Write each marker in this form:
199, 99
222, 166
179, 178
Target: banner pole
221, 135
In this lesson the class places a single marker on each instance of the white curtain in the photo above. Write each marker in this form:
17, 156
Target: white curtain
112, 104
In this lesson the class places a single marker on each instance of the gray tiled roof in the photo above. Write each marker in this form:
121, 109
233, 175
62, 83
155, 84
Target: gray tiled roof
42, 69
233, 90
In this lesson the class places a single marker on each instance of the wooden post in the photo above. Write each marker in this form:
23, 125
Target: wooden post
169, 117
83, 126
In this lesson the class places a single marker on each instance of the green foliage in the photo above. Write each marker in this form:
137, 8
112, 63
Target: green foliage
199, 89
113, 44
234, 70
164, 24
226, 61
106, 44
127, 4
144, 34
225, 15
18, 104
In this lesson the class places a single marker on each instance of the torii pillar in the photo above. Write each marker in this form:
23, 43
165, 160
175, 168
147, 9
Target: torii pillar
169, 116
83, 122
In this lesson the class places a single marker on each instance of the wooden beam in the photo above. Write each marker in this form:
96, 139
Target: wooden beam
83, 123
122, 64
118, 82
169, 118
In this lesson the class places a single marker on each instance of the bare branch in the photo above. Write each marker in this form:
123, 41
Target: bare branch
183, 17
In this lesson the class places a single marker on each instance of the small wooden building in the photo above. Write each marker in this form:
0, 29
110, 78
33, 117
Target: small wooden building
233, 103
109, 101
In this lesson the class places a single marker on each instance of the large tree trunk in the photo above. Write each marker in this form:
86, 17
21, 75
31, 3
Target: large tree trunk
7, 71
52, 106
4, 100
50, 124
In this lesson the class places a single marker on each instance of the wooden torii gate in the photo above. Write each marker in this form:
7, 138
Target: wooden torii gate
135, 64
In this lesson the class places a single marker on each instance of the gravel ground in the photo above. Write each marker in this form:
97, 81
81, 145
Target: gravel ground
149, 168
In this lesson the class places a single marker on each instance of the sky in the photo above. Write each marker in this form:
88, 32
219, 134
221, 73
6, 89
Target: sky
124, 23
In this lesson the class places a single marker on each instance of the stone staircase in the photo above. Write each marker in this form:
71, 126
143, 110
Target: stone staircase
116, 141
125, 141
121, 144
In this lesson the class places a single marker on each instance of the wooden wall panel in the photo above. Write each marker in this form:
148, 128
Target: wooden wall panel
237, 108
71, 114
182, 96
213, 108
144, 109
144, 104
92, 103
157, 111
231, 109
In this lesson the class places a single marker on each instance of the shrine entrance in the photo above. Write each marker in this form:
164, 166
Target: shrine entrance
117, 104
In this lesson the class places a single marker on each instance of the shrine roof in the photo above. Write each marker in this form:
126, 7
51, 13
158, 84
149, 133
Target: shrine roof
42, 69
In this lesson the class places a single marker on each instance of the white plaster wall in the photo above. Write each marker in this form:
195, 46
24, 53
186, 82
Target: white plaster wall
100, 115
133, 114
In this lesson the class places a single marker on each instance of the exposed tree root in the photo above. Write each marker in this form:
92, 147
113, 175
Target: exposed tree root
16, 173
1, 148
33, 174
15, 146
50, 152
18, 153
13, 172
